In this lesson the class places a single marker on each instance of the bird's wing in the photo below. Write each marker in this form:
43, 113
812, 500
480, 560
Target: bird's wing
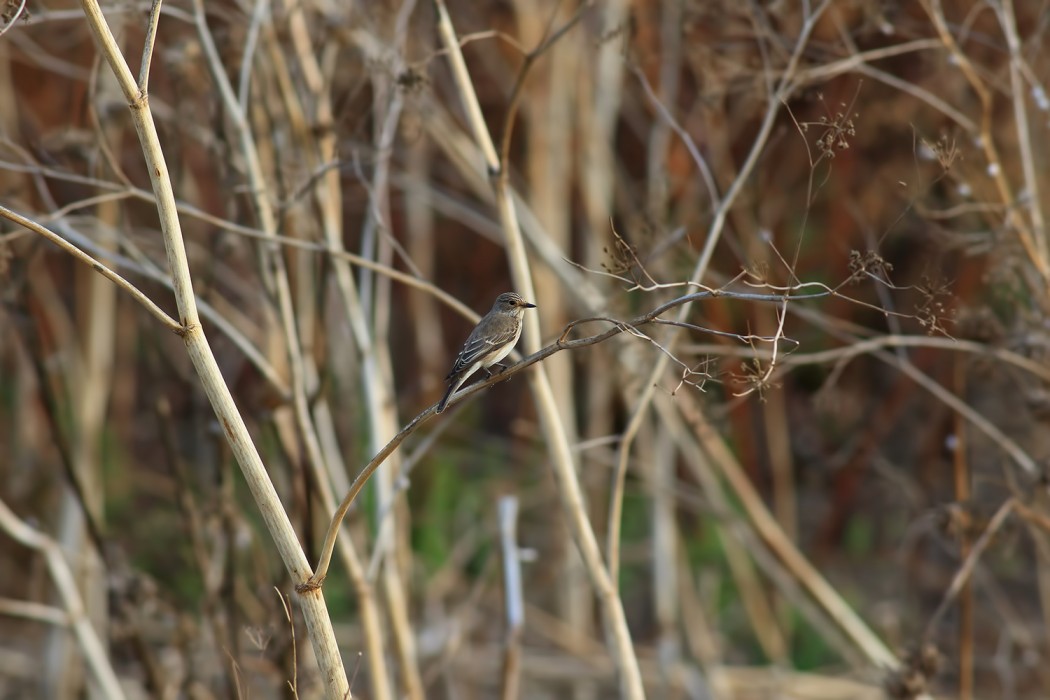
480, 344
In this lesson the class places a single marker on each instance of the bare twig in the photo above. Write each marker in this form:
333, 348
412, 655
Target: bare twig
148, 43
13, 17
98, 267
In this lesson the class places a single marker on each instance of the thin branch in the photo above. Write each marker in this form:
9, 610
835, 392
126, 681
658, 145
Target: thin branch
759, 382
986, 139
867, 345
560, 344
785, 88
690, 144
244, 83
519, 83
966, 570
14, 17
1026, 146
147, 49
234, 428
95, 265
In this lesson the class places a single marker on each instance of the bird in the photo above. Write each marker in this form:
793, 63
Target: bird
491, 340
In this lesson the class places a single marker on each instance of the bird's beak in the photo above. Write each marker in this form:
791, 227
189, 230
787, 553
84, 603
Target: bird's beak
527, 305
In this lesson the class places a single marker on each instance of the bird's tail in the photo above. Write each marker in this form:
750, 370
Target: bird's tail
444, 399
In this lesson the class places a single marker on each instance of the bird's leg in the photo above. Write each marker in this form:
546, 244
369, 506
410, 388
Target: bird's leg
501, 368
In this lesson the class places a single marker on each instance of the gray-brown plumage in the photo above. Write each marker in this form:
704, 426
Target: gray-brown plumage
491, 340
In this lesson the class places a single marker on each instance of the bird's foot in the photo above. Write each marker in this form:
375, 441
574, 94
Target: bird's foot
500, 368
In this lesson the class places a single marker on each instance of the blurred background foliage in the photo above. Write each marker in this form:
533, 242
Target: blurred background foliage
894, 173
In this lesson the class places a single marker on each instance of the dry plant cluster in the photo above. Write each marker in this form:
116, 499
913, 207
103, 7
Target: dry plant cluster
778, 428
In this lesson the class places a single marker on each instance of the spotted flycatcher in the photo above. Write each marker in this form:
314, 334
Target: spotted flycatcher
491, 340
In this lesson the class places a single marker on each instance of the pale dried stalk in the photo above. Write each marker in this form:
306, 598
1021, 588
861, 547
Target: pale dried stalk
315, 613
599, 109
303, 369
74, 514
561, 454
1026, 147
660, 475
94, 309
738, 553
419, 219
987, 141
660, 131
37, 612
513, 598
552, 84
376, 366
700, 639
769, 531
464, 154
962, 488
318, 148
93, 648
98, 267
277, 274
756, 603
714, 232
82, 248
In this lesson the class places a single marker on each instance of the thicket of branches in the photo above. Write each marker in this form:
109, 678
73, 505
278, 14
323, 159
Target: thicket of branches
776, 429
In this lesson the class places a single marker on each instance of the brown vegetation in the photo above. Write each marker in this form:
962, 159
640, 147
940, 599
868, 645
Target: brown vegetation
780, 427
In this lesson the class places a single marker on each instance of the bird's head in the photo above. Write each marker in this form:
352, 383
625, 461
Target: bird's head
511, 303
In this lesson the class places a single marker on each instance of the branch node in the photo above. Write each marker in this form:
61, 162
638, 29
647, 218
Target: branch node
141, 102
309, 585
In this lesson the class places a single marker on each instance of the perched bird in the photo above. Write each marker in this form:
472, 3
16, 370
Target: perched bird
491, 340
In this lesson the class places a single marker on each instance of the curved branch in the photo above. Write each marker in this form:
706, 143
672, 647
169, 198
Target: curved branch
321, 571
95, 265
